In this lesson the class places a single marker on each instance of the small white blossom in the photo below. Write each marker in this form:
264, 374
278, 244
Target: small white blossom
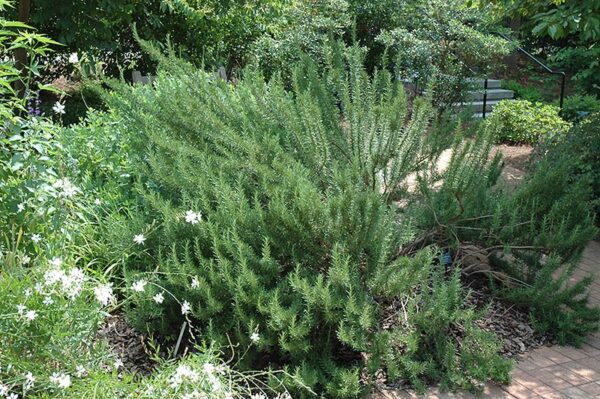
208, 368
97, 201
195, 283
48, 301
258, 396
183, 372
193, 217
58, 108
25, 259
73, 58
21, 207
56, 262
254, 337
67, 189
21, 309
36, 238
3, 389
104, 294
12, 396
118, 364
38, 287
185, 307
61, 380
159, 298
31, 315
27, 293
139, 285
80, 371
139, 239
29, 381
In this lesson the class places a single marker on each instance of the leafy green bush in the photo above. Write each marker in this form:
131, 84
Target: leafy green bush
580, 145
444, 42
267, 221
531, 238
520, 121
528, 93
424, 40
49, 317
577, 107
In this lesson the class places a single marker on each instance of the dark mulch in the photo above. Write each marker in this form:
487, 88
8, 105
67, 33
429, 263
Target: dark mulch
127, 344
510, 324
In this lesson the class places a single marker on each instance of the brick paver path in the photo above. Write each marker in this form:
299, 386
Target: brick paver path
547, 372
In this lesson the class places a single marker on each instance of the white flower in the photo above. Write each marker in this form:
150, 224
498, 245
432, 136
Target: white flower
21, 309
38, 287
118, 364
258, 396
3, 389
104, 294
185, 308
62, 380
208, 368
58, 108
12, 396
80, 371
159, 298
25, 259
73, 58
193, 217
67, 189
53, 276
139, 285
254, 337
31, 315
21, 207
27, 293
72, 283
48, 301
56, 262
139, 239
183, 372
97, 201
195, 283
29, 381
36, 238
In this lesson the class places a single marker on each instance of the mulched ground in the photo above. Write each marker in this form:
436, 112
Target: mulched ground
511, 325
127, 344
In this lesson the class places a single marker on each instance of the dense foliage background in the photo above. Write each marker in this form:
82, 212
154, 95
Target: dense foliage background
294, 190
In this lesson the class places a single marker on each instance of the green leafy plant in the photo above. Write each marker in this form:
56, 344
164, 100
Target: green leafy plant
16, 75
580, 145
531, 238
522, 92
266, 220
521, 121
577, 107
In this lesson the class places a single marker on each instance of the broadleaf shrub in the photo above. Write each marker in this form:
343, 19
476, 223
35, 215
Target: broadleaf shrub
577, 107
581, 145
520, 121
266, 221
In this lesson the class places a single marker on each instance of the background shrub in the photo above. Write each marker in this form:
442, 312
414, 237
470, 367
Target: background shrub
523, 122
522, 92
266, 221
582, 146
577, 107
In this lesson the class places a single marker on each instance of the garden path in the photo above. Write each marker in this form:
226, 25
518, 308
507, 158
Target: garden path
555, 372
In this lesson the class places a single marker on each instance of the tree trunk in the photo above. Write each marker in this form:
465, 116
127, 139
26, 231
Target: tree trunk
512, 60
21, 54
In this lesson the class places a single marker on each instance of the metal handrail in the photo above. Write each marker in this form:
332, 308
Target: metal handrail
541, 64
